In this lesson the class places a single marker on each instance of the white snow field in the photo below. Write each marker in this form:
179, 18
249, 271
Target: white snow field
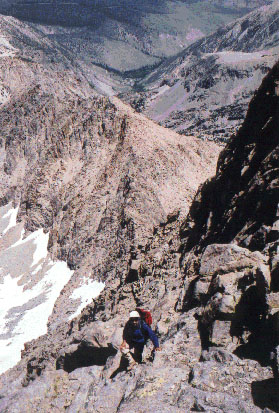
86, 293
30, 283
24, 312
11, 215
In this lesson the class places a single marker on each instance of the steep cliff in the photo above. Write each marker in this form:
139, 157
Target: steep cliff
231, 238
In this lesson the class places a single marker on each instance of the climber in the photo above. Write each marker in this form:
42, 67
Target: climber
135, 335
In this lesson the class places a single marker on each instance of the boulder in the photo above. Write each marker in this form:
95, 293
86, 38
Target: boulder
275, 272
218, 354
239, 280
228, 258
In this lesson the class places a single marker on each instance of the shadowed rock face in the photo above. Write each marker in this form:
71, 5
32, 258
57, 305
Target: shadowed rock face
230, 240
241, 202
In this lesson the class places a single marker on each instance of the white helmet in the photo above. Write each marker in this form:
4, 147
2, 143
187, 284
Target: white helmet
134, 314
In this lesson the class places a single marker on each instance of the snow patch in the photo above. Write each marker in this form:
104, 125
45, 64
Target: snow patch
11, 214
86, 293
30, 283
40, 239
20, 241
24, 312
4, 94
230, 58
39, 268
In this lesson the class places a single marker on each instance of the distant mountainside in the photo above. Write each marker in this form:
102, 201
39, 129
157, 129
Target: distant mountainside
80, 12
124, 35
22, 45
206, 89
29, 60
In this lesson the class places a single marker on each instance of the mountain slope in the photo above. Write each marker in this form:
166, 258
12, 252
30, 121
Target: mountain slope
88, 182
96, 178
30, 60
210, 280
142, 34
206, 89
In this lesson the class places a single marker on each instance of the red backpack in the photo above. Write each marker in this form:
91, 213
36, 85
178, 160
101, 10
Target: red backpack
145, 315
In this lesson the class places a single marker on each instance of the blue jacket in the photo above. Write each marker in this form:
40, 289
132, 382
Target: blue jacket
137, 336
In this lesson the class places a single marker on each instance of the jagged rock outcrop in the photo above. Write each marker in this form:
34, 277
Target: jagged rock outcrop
230, 239
241, 202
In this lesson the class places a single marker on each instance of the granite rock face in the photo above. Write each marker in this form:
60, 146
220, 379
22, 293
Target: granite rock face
230, 240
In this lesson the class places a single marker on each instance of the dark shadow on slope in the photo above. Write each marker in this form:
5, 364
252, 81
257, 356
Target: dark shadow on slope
122, 367
259, 345
124, 364
258, 348
191, 300
204, 333
251, 316
85, 357
265, 394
